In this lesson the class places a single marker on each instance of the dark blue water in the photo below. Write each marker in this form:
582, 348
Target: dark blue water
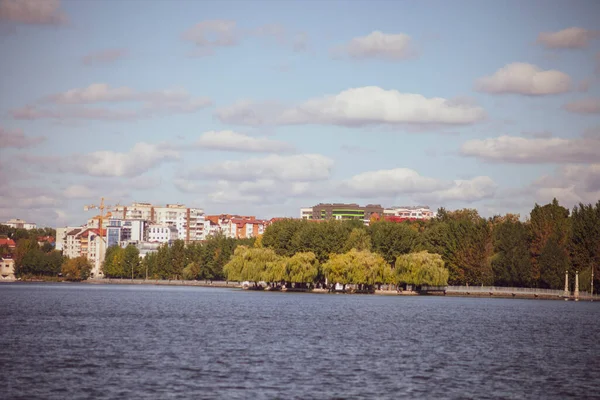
68, 341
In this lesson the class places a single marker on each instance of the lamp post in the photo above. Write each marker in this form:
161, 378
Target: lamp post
576, 286
566, 294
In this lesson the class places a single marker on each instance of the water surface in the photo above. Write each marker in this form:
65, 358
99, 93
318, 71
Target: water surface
72, 341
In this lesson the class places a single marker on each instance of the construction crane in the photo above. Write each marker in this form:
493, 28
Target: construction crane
100, 207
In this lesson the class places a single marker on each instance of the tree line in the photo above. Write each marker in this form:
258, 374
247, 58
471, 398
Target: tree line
500, 251
196, 260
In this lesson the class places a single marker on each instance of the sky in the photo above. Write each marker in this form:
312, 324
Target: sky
260, 108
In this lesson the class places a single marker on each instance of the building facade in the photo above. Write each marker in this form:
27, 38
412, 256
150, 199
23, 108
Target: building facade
162, 234
189, 222
7, 269
20, 224
342, 211
409, 212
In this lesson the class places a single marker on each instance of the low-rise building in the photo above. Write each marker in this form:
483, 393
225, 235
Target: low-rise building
342, 211
8, 243
409, 212
162, 234
7, 269
20, 224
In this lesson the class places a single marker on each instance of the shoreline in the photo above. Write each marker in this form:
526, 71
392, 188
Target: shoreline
506, 293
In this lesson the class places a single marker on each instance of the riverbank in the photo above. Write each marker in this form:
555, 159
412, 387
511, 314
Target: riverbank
449, 291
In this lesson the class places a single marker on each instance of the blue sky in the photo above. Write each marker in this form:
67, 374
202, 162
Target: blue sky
263, 107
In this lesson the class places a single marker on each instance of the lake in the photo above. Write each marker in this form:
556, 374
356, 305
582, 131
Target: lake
68, 341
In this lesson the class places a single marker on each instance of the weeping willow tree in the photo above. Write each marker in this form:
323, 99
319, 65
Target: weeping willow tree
252, 264
357, 267
422, 268
302, 268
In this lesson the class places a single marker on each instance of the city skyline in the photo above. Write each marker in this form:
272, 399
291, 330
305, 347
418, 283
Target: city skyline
230, 109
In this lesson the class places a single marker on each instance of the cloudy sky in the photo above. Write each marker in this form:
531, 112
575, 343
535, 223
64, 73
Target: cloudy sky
263, 107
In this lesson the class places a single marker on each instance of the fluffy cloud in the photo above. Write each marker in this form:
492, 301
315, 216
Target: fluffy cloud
404, 181
296, 168
40, 12
512, 149
570, 184
390, 182
523, 78
379, 45
67, 105
570, 38
585, 106
233, 141
104, 57
17, 139
141, 158
356, 107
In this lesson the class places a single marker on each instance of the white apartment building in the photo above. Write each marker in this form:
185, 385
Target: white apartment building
188, 221
20, 224
306, 212
211, 228
412, 212
61, 236
86, 242
162, 233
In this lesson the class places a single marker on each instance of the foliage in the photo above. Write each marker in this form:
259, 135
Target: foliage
31, 260
250, 264
76, 269
391, 239
357, 267
585, 243
511, 263
358, 239
20, 233
422, 268
302, 268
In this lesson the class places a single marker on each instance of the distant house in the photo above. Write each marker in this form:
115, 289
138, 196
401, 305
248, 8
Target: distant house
7, 269
8, 242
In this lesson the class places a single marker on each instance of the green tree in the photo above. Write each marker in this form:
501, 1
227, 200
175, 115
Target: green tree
249, 264
420, 269
391, 239
511, 262
357, 267
131, 261
585, 243
553, 262
302, 268
550, 221
191, 271
114, 263
358, 239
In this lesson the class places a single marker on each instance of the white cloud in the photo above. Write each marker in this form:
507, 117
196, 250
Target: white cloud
104, 56
390, 182
357, 107
40, 12
523, 78
512, 149
570, 38
296, 168
478, 188
234, 141
141, 158
585, 106
377, 44
404, 181
68, 105
17, 139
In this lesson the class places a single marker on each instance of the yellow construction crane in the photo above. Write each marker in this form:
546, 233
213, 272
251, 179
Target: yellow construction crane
100, 207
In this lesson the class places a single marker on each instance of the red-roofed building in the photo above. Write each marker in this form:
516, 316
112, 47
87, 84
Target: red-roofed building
8, 242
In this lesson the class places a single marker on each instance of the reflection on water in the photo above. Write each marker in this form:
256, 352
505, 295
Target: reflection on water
112, 341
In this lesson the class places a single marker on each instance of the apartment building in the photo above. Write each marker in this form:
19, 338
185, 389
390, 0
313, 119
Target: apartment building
237, 226
86, 242
306, 213
122, 232
343, 211
162, 234
20, 224
189, 222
